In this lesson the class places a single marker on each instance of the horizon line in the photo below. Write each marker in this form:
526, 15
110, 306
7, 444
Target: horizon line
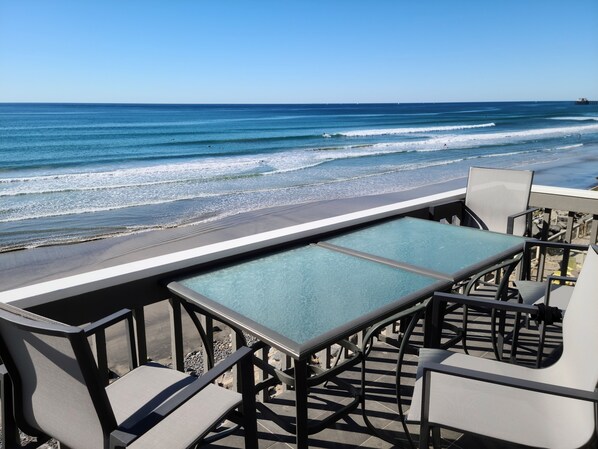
278, 104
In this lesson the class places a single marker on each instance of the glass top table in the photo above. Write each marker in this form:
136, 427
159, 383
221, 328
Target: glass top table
442, 250
305, 299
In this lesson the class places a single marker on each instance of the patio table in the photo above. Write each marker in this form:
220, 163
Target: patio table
304, 299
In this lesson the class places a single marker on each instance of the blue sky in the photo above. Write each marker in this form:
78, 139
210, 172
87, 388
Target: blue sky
192, 51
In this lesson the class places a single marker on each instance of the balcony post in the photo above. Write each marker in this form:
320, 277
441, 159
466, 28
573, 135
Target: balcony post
176, 335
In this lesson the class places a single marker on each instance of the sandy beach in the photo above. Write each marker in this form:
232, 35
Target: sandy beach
27, 267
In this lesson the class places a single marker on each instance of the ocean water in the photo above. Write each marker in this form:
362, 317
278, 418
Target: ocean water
72, 172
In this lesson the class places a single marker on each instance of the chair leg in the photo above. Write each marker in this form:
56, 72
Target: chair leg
498, 327
424, 436
541, 344
515, 338
436, 437
10, 434
248, 407
464, 329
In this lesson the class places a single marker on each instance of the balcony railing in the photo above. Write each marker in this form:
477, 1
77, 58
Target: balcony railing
86, 297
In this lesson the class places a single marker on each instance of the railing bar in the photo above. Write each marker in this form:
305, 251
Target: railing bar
569, 233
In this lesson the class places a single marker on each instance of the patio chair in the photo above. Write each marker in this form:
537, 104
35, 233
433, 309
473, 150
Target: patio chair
551, 407
497, 200
59, 393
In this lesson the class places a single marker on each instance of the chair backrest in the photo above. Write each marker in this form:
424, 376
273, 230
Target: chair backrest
495, 193
56, 384
578, 365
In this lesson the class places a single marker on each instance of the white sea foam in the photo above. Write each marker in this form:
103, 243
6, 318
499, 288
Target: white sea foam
398, 131
61, 212
570, 147
52, 195
212, 169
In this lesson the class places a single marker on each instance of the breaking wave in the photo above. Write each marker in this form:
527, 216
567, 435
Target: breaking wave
399, 131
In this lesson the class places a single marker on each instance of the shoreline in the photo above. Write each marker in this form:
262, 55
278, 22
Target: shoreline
44, 263
23, 267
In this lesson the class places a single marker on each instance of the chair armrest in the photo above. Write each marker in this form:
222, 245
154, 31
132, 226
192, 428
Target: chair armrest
436, 307
124, 436
549, 281
108, 321
483, 303
514, 382
511, 218
551, 278
98, 330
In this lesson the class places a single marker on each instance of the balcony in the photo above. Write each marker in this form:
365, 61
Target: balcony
164, 332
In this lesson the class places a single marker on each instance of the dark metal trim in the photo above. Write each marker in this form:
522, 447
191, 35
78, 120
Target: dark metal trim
385, 261
296, 350
473, 269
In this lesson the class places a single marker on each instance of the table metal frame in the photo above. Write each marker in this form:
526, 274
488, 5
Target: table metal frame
301, 352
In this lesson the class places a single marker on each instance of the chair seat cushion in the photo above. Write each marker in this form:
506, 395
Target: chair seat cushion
148, 386
509, 414
532, 292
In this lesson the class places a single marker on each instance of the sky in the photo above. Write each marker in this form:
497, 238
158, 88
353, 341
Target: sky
308, 51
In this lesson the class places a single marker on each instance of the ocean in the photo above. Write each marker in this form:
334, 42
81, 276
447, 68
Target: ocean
75, 172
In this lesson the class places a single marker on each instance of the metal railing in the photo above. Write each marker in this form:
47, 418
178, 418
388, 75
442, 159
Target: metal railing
86, 297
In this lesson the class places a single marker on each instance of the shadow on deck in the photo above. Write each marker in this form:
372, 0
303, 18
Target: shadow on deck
381, 404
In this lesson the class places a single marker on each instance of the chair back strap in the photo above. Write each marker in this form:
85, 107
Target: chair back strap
493, 195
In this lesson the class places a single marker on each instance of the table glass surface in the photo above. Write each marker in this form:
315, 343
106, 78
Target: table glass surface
436, 246
306, 292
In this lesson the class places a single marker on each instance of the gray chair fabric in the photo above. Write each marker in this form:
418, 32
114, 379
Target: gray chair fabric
52, 386
519, 415
534, 292
493, 195
137, 391
59, 393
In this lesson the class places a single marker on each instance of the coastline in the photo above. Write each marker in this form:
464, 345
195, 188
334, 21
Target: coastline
30, 266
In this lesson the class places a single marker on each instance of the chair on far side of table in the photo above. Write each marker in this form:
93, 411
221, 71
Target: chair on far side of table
51, 387
497, 200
